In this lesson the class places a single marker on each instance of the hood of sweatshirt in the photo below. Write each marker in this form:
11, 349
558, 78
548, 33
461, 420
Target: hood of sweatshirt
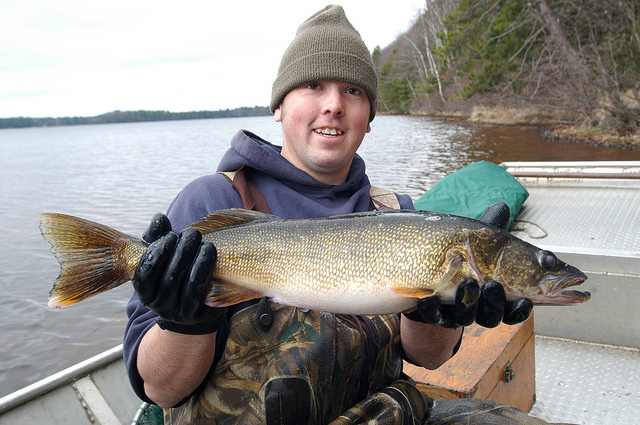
284, 185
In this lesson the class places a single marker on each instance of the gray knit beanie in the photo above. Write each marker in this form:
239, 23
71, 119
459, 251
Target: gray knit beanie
326, 47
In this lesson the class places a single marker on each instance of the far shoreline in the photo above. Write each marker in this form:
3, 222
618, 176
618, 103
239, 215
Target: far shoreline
551, 125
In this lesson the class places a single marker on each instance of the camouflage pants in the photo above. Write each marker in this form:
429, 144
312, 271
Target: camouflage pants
399, 403
308, 367
317, 368
403, 404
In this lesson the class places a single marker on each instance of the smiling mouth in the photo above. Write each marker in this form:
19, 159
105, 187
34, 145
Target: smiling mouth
329, 131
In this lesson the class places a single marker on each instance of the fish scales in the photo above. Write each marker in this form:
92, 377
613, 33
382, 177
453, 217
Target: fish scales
293, 260
366, 263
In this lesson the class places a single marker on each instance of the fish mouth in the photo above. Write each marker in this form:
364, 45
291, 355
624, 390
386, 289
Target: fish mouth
559, 294
564, 298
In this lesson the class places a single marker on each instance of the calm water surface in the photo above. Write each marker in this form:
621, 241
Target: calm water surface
121, 174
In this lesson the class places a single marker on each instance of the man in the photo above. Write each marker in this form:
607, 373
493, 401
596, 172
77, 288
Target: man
258, 362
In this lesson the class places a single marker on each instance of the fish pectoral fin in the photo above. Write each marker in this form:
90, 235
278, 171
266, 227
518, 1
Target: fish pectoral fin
453, 266
408, 292
225, 294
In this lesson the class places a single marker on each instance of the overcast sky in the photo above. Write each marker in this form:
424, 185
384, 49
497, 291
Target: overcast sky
84, 58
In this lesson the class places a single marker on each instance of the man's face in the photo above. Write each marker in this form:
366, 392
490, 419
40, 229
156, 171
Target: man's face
323, 125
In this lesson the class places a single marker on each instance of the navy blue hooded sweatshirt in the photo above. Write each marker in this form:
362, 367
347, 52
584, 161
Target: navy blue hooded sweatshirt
290, 192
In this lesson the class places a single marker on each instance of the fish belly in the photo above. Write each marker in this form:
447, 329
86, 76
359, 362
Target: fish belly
358, 302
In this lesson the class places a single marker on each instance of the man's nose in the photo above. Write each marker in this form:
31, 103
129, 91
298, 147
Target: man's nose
334, 102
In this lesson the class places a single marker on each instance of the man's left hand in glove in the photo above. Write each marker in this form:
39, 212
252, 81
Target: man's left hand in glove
486, 305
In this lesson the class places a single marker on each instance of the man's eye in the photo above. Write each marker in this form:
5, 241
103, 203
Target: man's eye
313, 86
353, 91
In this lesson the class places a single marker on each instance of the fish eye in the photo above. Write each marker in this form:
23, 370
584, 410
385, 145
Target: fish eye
547, 259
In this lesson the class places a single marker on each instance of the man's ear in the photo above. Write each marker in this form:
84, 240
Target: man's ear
277, 114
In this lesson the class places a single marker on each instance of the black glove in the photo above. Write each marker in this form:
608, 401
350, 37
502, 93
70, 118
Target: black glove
498, 214
174, 277
487, 306
493, 305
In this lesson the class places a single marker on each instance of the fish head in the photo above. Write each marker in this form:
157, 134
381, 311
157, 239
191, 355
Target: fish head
525, 270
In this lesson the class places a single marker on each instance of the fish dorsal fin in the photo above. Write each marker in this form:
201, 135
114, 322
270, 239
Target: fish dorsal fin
224, 219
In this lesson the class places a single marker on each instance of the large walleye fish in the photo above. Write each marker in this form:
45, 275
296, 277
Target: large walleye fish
364, 263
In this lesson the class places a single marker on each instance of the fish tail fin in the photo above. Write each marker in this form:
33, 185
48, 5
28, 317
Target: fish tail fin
93, 258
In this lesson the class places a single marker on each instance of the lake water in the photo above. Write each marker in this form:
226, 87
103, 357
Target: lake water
121, 174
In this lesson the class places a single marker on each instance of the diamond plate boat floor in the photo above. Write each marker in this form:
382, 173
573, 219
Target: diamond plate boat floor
584, 383
588, 214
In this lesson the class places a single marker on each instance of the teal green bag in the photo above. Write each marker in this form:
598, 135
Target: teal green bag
469, 191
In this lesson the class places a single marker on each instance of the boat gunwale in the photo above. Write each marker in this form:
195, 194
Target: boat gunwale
60, 379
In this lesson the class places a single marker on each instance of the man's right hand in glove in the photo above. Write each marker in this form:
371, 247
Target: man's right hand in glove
174, 277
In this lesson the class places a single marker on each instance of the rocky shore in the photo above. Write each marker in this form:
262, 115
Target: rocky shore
553, 125
594, 135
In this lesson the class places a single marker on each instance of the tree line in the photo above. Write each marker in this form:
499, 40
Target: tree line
577, 59
134, 116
